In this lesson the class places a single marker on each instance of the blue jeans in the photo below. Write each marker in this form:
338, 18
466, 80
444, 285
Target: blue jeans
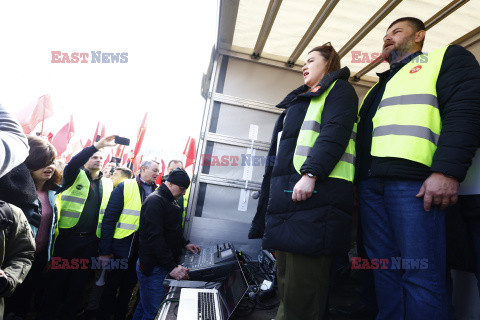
413, 284
152, 293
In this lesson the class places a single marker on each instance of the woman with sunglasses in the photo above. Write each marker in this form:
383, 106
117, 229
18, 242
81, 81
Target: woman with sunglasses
306, 200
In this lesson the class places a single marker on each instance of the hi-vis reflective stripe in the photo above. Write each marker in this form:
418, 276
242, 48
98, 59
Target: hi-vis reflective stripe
428, 99
70, 214
131, 212
126, 226
303, 150
73, 199
311, 125
407, 130
347, 157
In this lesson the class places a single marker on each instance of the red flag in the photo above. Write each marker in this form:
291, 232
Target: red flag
50, 137
88, 143
35, 113
63, 136
136, 164
119, 151
140, 136
162, 172
107, 160
100, 133
190, 152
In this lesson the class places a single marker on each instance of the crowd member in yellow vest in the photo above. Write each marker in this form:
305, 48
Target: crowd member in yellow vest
306, 199
120, 174
118, 244
83, 198
418, 131
183, 200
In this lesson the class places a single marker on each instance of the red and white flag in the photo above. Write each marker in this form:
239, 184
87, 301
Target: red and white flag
34, 113
63, 136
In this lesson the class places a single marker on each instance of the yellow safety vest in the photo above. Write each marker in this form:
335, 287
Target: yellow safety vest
345, 168
407, 123
73, 200
129, 220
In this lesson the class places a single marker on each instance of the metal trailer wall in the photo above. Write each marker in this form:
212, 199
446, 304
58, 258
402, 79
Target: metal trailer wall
238, 122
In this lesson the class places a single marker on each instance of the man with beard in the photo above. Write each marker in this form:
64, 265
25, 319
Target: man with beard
418, 132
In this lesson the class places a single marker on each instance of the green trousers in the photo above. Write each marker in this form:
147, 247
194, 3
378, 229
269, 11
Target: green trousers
302, 286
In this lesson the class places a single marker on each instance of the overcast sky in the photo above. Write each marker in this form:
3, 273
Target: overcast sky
168, 44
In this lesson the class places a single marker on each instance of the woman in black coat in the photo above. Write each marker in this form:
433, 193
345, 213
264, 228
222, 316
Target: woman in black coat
306, 202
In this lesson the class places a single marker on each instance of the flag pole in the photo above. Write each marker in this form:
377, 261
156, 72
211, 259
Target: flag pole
43, 120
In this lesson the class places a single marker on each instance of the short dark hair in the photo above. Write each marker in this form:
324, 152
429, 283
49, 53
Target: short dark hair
415, 23
127, 173
174, 161
42, 154
330, 55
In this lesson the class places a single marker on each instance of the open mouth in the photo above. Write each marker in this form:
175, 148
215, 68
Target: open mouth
386, 45
305, 74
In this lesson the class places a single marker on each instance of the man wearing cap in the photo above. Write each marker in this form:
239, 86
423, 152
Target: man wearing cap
160, 243
119, 240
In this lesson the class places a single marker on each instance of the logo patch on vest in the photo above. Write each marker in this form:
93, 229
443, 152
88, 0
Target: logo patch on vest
316, 89
79, 187
416, 69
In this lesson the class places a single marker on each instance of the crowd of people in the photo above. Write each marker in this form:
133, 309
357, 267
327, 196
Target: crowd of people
71, 237
76, 240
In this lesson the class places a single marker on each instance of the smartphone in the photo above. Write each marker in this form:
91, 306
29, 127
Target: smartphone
121, 140
116, 160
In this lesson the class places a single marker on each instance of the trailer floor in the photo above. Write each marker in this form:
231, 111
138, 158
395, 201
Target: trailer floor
345, 293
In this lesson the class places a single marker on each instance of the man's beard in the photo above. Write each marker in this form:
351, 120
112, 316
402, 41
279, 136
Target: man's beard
400, 51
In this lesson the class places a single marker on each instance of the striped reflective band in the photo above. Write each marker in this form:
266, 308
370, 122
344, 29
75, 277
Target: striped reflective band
73, 199
303, 151
69, 214
407, 130
131, 212
311, 125
347, 157
353, 136
429, 99
126, 226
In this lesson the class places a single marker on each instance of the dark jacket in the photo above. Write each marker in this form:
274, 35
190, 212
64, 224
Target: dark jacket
125, 247
321, 224
17, 248
160, 237
458, 93
18, 188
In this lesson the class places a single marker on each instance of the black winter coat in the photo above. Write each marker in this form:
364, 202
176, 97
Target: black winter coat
160, 236
321, 225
